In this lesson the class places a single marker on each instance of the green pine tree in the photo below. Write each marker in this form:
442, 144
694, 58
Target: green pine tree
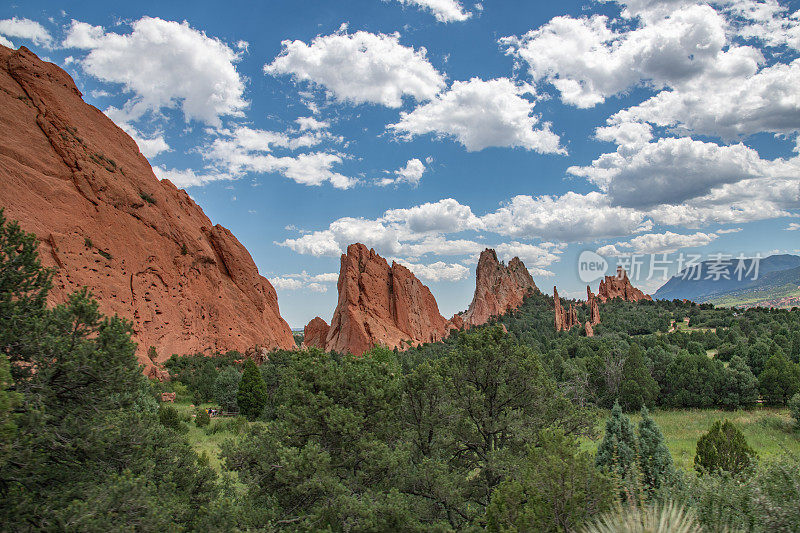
554, 488
780, 379
252, 395
794, 408
617, 452
24, 286
226, 388
638, 388
723, 448
655, 461
9, 401
740, 386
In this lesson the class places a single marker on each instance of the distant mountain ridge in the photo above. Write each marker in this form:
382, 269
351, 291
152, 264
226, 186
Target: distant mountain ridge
777, 284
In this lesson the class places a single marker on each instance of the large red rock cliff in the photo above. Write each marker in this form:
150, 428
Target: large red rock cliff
381, 304
143, 247
619, 286
498, 288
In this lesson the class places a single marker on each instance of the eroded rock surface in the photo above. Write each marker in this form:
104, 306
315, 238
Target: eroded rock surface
619, 286
315, 333
381, 305
143, 247
498, 288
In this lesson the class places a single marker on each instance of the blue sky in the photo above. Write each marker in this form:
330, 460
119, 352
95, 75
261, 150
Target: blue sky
430, 129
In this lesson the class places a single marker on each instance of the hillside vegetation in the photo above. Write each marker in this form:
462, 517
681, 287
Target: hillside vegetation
498, 428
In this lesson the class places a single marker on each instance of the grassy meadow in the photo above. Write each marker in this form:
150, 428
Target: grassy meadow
206, 440
769, 431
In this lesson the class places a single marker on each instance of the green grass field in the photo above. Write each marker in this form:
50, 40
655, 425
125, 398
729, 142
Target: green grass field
769, 431
202, 440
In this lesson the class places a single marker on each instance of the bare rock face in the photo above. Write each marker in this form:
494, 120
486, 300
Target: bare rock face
589, 329
562, 317
572, 318
594, 308
381, 304
315, 333
619, 286
457, 322
565, 320
104, 220
559, 310
498, 288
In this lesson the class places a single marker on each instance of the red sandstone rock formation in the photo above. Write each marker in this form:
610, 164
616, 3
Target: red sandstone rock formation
619, 286
498, 288
559, 321
589, 329
593, 307
143, 247
457, 322
571, 318
564, 320
382, 305
315, 333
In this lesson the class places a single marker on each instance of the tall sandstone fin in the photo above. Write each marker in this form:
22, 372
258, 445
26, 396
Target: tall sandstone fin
498, 288
381, 305
104, 220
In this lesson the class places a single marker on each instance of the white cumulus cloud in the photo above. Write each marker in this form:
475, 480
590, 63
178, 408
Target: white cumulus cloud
164, 64
673, 170
658, 243
188, 177
438, 271
246, 150
533, 255
361, 67
764, 101
27, 29
411, 173
480, 114
569, 217
444, 216
443, 10
587, 60
304, 281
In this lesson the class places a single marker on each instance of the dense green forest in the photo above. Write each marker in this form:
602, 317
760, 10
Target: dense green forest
486, 430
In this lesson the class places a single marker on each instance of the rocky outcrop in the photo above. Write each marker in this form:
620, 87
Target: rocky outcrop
498, 288
104, 220
559, 320
593, 307
619, 286
315, 333
571, 319
381, 305
565, 320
